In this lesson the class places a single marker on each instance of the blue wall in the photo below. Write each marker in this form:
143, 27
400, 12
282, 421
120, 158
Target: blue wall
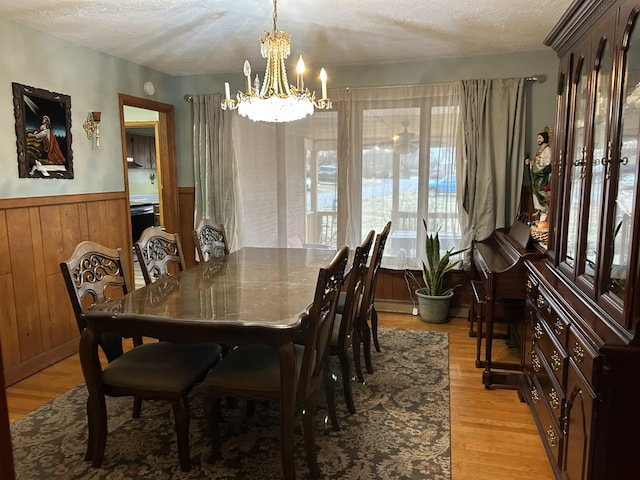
93, 80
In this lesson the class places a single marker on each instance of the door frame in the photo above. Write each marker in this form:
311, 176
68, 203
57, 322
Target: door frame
167, 171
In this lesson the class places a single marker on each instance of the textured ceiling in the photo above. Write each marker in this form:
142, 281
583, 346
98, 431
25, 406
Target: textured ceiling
187, 37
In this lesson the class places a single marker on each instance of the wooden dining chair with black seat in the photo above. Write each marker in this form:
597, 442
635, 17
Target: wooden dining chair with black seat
345, 336
210, 239
367, 312
253, 371
150, 371
159, 253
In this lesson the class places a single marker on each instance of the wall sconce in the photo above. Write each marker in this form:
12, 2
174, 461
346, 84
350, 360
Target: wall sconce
92, 125
152, 177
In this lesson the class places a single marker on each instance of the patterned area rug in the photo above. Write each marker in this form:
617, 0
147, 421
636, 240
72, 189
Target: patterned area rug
400, 430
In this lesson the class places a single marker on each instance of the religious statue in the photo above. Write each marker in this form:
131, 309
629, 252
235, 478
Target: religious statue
540, 169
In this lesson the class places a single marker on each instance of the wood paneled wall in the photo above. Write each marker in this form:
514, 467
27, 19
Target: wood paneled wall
37, 325
398, 286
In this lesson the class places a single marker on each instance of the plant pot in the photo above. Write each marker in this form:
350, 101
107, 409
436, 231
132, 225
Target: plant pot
433, 309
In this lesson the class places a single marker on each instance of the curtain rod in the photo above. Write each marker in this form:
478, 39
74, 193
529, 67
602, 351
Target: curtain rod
533, 78
536, 78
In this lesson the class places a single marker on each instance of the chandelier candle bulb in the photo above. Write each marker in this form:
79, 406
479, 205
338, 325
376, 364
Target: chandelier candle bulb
247, 73
227, 93
300, 70
323, 78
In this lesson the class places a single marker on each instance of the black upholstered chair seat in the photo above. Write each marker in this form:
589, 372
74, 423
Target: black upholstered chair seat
251, 368
161, 367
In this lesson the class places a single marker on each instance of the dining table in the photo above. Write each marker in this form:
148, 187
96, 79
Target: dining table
252, 295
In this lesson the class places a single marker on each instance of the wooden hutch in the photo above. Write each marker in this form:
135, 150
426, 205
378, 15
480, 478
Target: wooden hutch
582, 369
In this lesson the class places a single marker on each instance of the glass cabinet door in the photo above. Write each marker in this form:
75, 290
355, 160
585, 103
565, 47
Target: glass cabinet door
599, 158
576, 163
622, 174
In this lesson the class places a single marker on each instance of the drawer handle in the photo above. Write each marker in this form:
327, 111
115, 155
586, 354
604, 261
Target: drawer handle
540, 301
549, 309
535, 396
578, 353
555, 361
529, 286
538, 331
558, 327
554, 399
535, 362
552, 438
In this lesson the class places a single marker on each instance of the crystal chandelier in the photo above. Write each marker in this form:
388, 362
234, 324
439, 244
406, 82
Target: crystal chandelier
276, 100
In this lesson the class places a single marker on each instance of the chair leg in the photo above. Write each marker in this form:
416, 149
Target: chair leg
346, 380
366, 341
330, 391
309, 439
374, 328
181, 415
355, 345
213, 416
137, 407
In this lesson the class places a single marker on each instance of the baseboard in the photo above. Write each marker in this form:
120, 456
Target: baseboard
400, 306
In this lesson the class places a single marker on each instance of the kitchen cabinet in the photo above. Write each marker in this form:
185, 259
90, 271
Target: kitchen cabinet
142, 148
583, 311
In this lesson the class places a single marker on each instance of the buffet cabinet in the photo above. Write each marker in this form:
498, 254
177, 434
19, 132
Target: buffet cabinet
582, 368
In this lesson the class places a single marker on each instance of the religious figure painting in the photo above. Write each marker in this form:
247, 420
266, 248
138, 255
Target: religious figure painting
43, 132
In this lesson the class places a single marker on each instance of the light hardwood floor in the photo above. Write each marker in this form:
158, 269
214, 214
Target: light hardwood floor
493, 436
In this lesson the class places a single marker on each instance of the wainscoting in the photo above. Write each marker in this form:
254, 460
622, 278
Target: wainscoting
37, 325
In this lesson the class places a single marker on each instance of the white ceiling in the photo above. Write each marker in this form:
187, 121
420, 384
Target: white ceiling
187, 37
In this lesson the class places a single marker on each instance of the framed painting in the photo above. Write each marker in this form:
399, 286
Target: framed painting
43, 132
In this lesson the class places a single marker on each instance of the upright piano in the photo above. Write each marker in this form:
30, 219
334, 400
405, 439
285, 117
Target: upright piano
499, 294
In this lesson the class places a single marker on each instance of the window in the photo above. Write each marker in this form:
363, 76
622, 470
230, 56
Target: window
381, 154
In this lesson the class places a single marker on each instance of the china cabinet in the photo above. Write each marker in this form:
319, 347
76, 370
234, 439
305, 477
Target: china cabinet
583, 342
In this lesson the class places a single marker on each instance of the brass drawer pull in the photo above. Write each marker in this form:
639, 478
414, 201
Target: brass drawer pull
535, 362
578, 353
535, 396
529, 286
538, 331
558, 327
540, 301
556, 362
554, 399
552, 438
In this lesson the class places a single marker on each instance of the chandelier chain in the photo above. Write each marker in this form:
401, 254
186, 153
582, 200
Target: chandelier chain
275, 16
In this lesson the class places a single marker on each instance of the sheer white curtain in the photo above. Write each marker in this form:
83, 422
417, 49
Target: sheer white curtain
401, 162
386, 153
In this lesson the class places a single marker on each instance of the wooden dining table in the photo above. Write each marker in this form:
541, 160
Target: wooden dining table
253, 295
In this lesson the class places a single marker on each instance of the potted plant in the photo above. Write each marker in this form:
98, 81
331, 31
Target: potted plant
434, 298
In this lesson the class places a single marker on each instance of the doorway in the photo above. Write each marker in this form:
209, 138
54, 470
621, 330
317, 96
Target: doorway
157, 158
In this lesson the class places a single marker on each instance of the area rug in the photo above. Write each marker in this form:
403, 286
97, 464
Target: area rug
400, 430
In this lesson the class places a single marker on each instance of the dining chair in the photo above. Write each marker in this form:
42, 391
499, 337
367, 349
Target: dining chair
253, 370
159, 253
210, 240
150, 371
367, 312
345, 336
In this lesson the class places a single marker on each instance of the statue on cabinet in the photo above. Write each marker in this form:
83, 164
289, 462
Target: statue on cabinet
540, 169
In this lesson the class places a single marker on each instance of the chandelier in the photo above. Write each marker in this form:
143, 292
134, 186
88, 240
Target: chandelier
276, 100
